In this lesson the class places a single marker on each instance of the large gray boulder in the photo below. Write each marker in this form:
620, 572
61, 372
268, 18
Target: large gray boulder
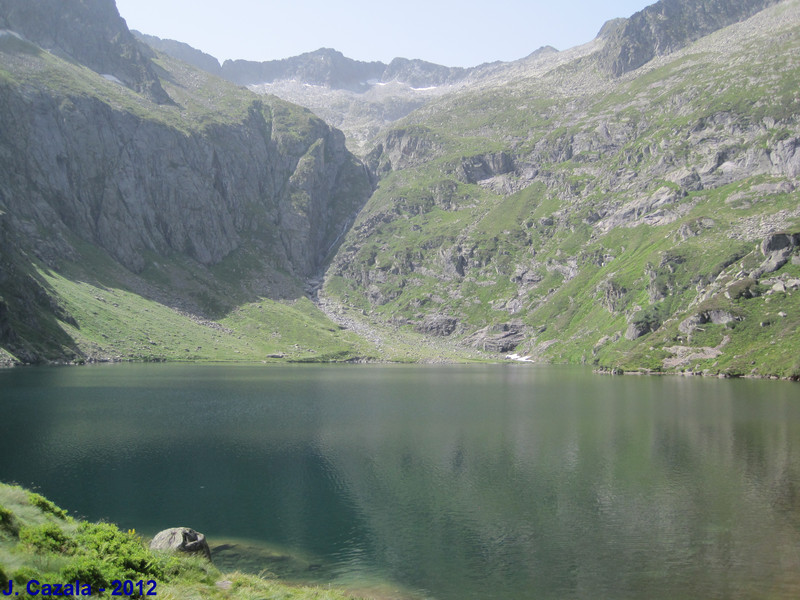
715, 317
777, 249
181, 539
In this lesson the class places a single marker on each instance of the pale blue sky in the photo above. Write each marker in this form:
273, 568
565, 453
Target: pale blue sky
464, 33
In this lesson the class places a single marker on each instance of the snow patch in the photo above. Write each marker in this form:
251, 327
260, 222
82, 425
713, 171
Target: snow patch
110, 77
4, 32
518, 358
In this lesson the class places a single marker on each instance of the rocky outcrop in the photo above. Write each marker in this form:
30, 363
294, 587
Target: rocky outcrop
438, 325
499, 338
777, 249
638, 329
90, 32
484, 166
667, 26
402, 148
181, 539
611, 295
715, 317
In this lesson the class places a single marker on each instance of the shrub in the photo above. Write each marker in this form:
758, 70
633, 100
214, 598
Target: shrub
92, 570
744, 289
47, 537
650, 318
124, 551
46, 505
3, 577
23, 575
7, 521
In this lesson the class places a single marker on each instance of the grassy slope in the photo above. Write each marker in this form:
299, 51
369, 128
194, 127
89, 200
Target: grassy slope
114, 322
542, 228
38, 540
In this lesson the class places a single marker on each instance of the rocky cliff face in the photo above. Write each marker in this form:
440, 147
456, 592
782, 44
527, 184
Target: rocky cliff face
90, 32
667, 26
132, 185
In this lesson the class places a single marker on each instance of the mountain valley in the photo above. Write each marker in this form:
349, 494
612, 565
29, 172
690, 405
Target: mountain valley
630, 204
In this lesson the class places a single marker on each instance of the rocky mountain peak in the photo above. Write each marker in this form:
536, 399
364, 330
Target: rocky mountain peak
667, 26
611, 27
542, 51
420, 73
325, 67
90, 32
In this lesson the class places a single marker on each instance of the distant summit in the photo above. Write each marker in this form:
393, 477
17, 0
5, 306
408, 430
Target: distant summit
324, 67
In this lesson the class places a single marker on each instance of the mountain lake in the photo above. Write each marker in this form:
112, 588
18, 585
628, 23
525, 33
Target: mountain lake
443, 482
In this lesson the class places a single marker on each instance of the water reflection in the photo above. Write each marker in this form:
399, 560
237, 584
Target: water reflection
461, 482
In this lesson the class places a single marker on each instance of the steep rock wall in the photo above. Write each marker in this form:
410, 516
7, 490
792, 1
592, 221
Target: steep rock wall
76, 166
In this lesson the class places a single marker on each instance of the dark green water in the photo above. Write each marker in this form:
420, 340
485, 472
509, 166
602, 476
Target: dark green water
456, 482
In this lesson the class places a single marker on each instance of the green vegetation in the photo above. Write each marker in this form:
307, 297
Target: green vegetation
114, 323
38, 541
641, 213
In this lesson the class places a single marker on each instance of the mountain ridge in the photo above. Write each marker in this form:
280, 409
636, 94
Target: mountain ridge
362, 98
669, 25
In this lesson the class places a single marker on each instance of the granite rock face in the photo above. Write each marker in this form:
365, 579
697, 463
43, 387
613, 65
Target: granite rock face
777, 249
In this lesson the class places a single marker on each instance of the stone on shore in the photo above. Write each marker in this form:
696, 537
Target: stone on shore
181, 539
